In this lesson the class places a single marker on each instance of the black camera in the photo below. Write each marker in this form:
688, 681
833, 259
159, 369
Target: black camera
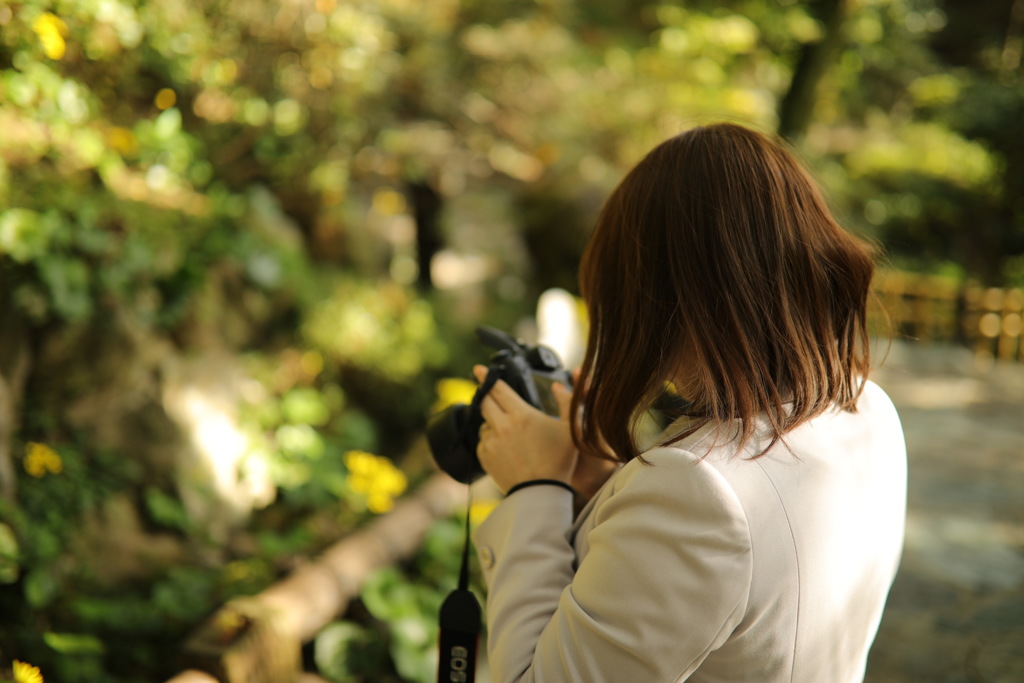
530, 370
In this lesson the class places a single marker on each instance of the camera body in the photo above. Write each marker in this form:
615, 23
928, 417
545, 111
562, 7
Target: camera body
453, 433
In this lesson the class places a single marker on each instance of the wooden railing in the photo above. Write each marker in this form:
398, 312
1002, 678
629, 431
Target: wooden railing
992, 321
933, 308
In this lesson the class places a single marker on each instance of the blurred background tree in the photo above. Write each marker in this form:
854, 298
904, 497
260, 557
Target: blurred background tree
241, 240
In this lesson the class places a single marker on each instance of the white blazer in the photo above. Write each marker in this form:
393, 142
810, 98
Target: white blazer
706, 564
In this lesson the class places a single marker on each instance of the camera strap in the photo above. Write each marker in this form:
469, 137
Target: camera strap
460, 623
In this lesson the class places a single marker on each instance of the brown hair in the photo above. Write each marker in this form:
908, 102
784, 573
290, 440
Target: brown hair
718, 254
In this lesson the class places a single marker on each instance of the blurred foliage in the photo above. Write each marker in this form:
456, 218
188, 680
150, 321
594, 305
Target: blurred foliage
256, 187
396, 638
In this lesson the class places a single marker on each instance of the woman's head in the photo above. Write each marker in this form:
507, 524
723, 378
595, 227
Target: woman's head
717, 265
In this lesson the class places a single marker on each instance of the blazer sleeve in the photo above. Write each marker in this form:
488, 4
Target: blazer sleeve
665, 580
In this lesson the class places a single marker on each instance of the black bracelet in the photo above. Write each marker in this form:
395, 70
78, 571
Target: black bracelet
540, 482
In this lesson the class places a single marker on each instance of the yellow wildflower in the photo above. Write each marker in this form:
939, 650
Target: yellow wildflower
228, 623
26, 673
312, 363
165, 99
379, 503
51, 30
376, 479
123, 140
453, 390
40, 459
388, 202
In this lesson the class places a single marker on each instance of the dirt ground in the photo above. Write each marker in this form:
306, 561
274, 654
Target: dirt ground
956, 611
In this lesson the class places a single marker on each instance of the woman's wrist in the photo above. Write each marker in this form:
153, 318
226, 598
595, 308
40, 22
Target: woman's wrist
540, 482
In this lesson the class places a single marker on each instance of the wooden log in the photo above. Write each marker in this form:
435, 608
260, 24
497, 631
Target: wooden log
244, 642
258, 639
15, 364
315, 594
193, 676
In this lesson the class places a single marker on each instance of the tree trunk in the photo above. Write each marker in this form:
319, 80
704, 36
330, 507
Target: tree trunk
15, 360
426, 211
797, 107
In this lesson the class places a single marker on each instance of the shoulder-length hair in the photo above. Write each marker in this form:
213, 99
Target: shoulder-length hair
717, 259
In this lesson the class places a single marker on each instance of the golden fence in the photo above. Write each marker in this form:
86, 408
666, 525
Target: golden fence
936, 308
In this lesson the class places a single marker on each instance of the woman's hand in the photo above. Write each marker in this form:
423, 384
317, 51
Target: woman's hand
519, 442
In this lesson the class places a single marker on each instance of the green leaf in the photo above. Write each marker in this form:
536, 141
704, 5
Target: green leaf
305, 406
9, 555
166, 510
412, 648
74, 643
24, 236
300, 441
168, 124
41, 587
378, 595
357, 431
186, 593
344, 650
68, 281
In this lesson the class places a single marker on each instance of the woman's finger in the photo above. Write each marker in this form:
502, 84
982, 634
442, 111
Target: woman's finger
480, 372
507, 398
492, 412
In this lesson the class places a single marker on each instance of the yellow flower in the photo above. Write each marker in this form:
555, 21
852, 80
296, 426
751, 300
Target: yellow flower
360, 462
51, 30
376, 479
228, 623
165, 99
40, 459
312, 363
452, 391
26, 673
123, 140
388, 202
379, 503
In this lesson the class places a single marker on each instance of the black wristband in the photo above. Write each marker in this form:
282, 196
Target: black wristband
540, 482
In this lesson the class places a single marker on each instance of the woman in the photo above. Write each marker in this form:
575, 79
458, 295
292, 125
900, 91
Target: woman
757, 537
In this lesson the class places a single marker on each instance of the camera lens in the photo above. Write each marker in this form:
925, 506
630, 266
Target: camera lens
454, 451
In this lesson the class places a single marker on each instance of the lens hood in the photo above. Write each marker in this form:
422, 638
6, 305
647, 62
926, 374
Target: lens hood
449, 444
